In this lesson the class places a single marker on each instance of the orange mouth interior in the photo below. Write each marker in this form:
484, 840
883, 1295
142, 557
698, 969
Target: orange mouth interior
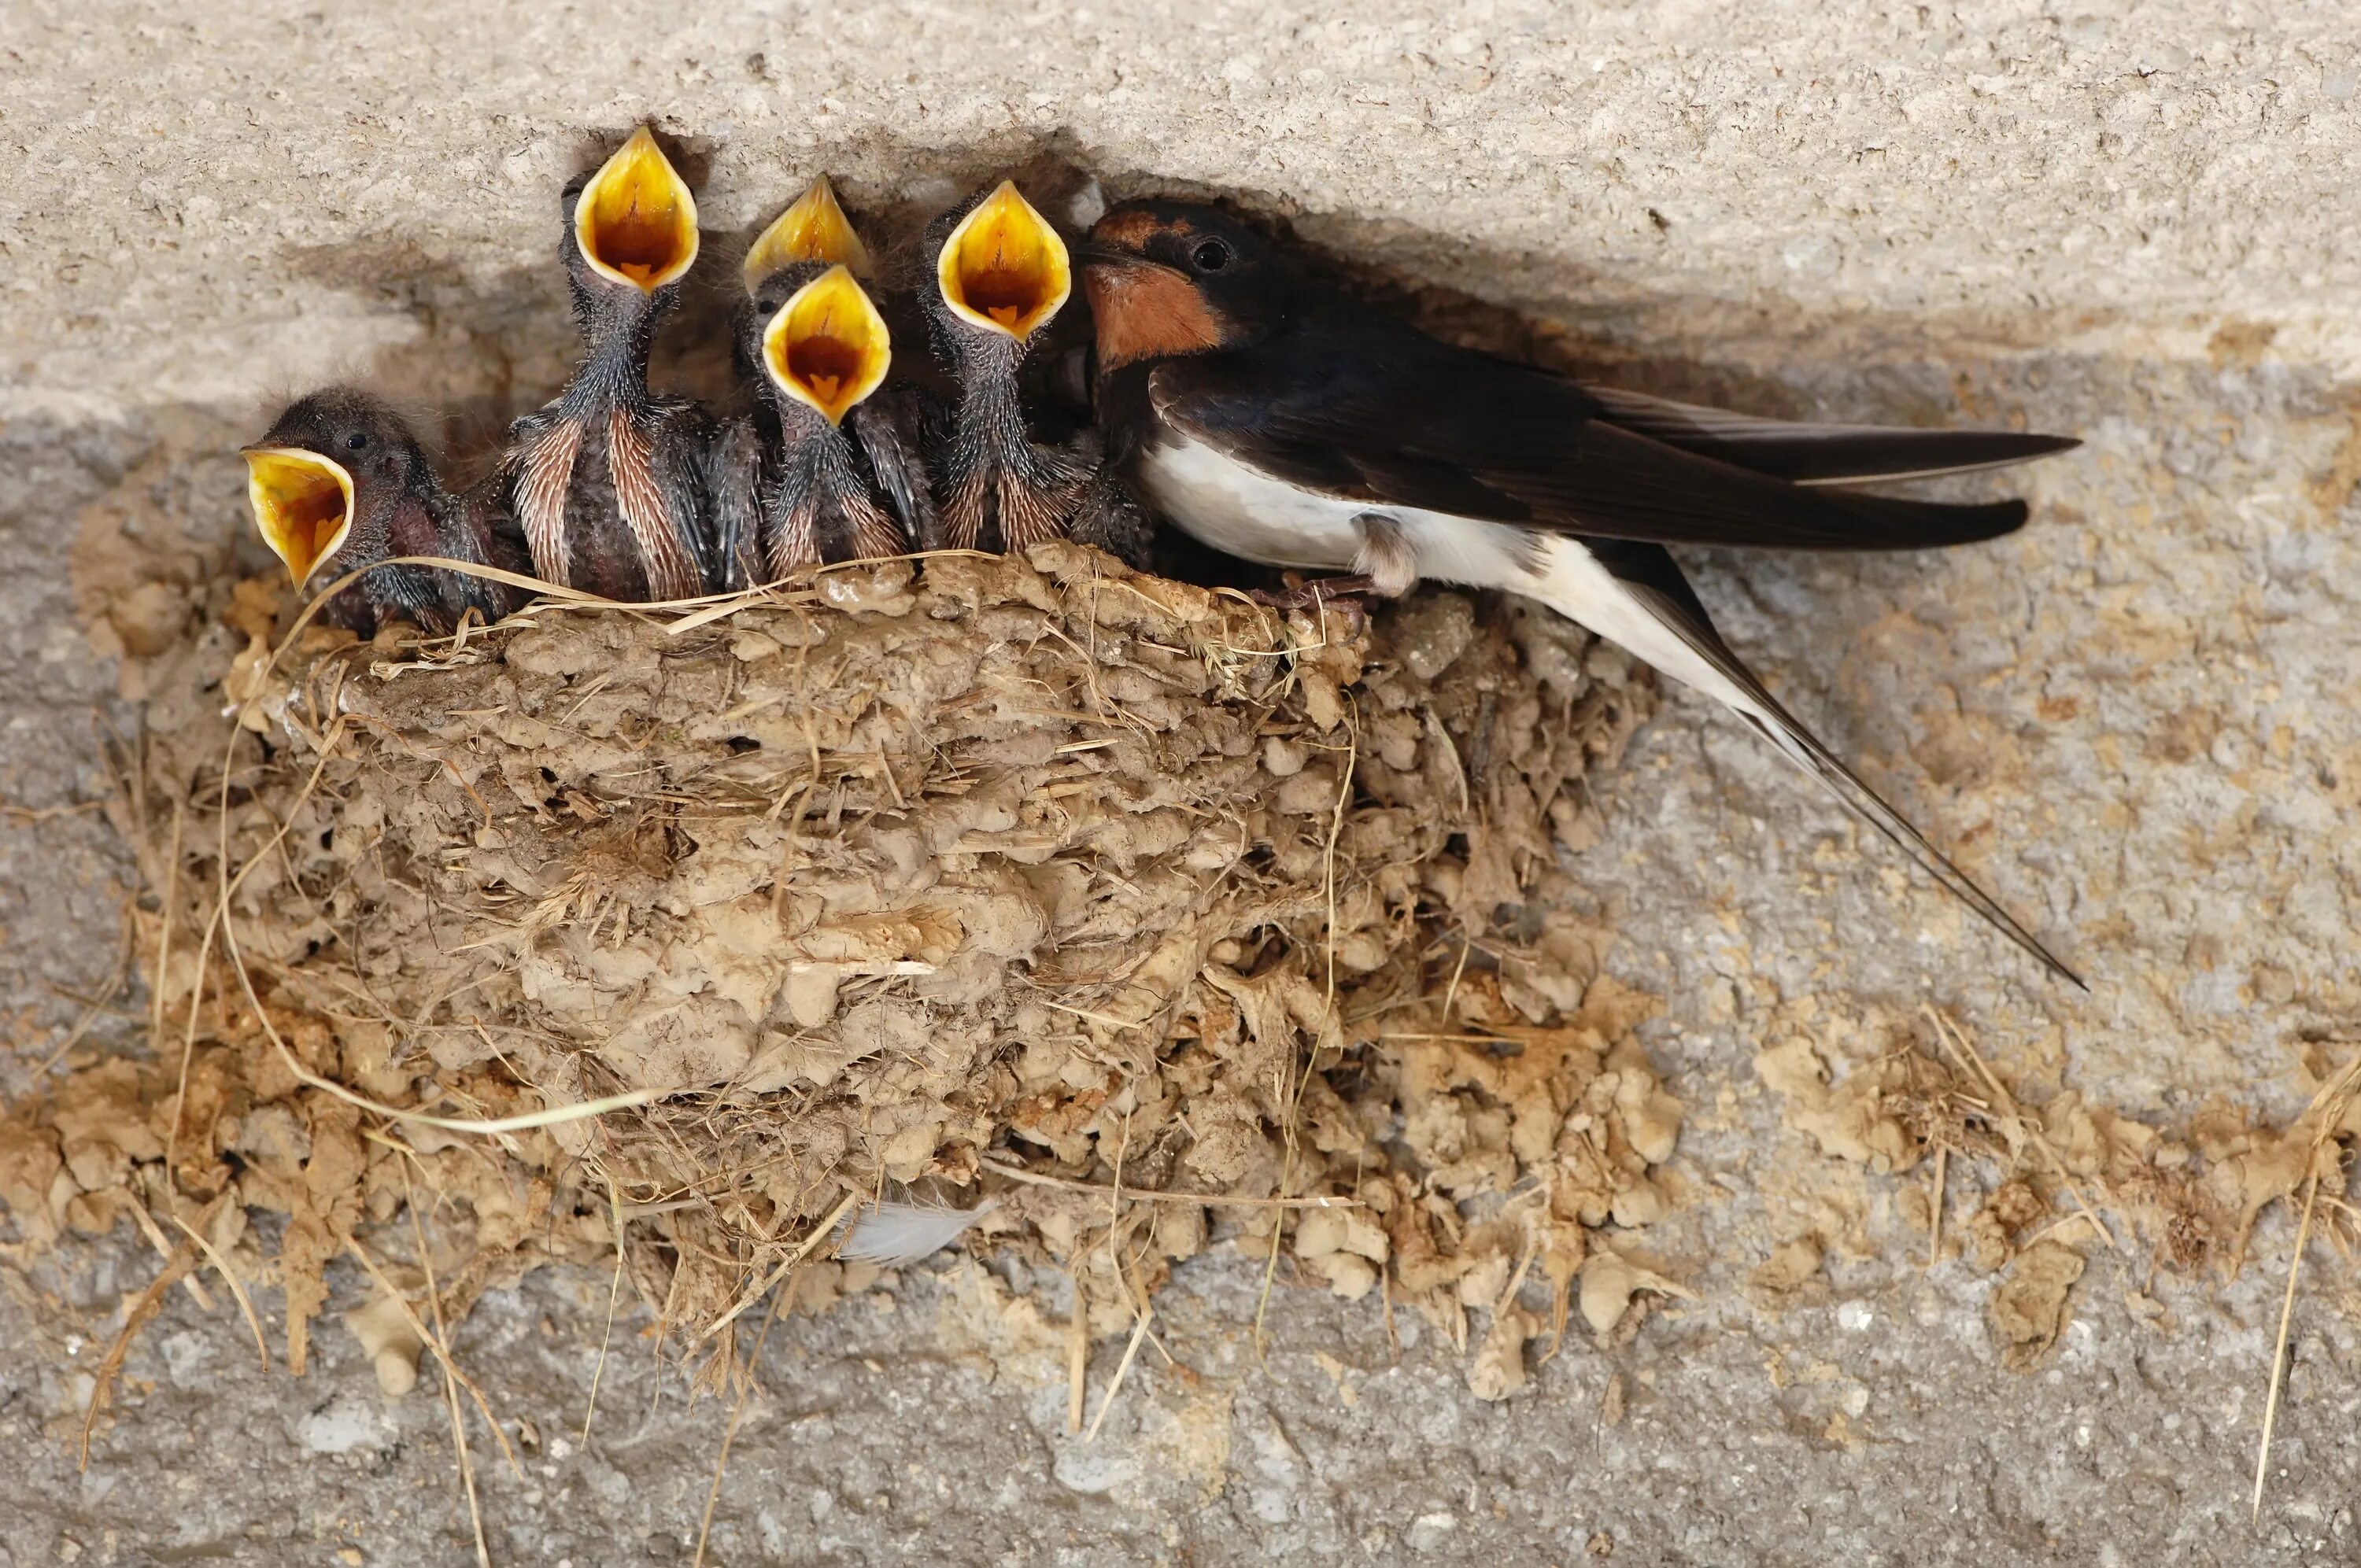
1004, 268
302, 505
814, 229
827, 347
635, 220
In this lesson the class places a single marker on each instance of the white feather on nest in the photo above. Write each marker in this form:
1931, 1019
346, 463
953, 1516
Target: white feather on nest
891, 1234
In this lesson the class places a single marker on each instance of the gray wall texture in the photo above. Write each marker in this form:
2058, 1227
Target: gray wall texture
2138, 719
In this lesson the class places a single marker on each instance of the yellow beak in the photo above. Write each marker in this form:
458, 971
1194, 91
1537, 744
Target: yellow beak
814, 229
827, 347
636, 222
302, 505
1005, 268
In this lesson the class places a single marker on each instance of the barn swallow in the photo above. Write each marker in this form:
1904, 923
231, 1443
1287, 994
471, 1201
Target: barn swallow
1277, 420
1001, 274
821, 474
340, 483
608, 478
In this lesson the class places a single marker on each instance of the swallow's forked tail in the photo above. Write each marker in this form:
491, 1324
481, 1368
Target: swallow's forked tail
1799, 746
1634, 596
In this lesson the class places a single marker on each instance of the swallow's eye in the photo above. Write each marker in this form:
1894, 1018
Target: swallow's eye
1211, 256
357, 440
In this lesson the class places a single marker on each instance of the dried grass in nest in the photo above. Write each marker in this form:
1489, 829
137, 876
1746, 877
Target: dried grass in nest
1032, 877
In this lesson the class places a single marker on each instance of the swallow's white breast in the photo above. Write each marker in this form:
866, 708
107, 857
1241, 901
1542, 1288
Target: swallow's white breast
1232, 507
1237, 509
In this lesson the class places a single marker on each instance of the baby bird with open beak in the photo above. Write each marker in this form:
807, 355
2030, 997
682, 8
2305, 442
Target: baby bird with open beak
821, 471
1000, 274
340, 483
608, 479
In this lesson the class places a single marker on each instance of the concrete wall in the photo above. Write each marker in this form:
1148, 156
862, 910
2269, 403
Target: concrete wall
2135, 222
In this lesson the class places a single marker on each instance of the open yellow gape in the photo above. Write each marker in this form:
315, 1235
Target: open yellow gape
814, 229
635, 220
1003, 268
827, 347
303, 505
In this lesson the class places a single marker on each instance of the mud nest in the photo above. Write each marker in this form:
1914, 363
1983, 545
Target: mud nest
1138, 915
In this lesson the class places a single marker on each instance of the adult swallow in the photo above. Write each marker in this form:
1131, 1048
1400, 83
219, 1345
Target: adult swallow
340, 483
1001, 275
821, 473
608, 479
1279, 420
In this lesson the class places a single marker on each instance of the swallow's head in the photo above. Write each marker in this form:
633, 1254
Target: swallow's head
1174, 278
816, 339
304, 478
814, 229
1001, 270
631, 226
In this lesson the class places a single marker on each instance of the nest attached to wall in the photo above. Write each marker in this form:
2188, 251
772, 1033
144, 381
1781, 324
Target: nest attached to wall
1027, 877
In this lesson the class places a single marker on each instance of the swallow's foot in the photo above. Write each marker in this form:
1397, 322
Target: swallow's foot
1324, 597
1337, 592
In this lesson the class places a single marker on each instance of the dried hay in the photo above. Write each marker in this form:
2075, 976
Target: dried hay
2184, 1197
663, 943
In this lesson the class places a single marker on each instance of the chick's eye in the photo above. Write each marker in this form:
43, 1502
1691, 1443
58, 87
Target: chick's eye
357, 440
1211, 256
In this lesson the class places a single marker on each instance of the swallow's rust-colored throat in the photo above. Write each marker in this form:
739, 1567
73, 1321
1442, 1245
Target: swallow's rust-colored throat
1142, 310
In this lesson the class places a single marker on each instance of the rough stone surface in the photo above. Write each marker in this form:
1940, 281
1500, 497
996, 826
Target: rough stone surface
2138, 720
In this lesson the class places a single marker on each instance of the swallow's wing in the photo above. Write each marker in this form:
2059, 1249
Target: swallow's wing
493, 539
927, 421
887, 428
1109, 518
534, 475
676, 462
421, 595
1807, 453
1652, 582
1366, 410
733, 478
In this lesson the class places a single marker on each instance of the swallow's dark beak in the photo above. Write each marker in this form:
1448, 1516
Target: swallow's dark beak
635, 220
1090, 253
827, 347
1004, 269
302, 505
814, 229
